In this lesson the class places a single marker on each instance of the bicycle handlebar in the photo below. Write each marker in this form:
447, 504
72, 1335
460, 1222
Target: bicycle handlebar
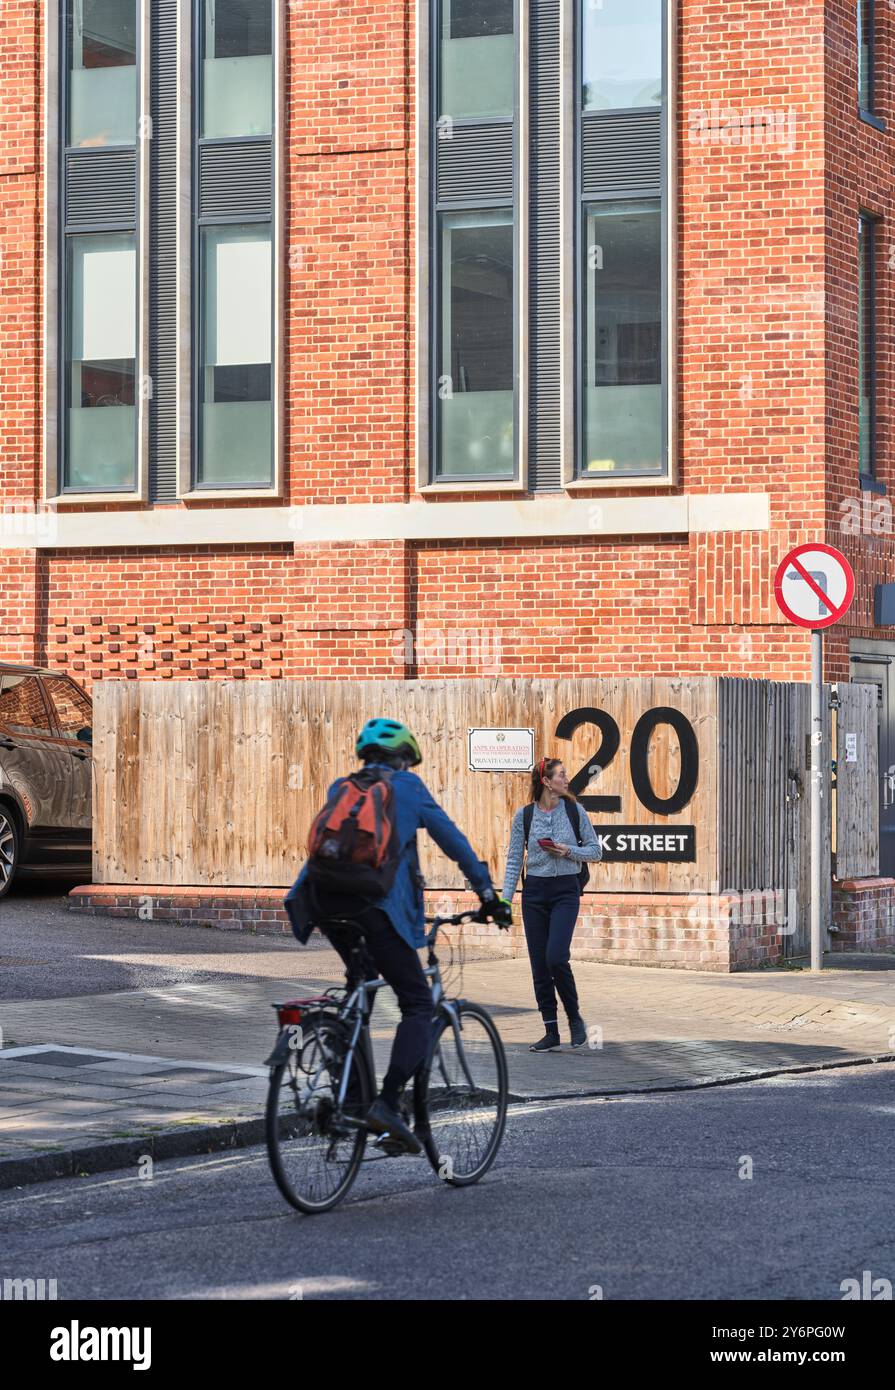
471, 914
468, 916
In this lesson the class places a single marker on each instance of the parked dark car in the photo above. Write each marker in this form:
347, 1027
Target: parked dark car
46, 774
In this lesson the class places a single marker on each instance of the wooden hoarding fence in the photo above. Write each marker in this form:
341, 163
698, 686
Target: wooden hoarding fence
216, 783
698, 785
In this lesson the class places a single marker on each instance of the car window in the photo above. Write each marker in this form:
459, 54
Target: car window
74, 711
22, 708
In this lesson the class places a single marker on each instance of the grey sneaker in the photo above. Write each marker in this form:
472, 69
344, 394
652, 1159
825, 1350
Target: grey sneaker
547, 1042
578, 1029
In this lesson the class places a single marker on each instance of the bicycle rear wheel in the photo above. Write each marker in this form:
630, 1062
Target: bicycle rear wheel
314, 1152
460, 1096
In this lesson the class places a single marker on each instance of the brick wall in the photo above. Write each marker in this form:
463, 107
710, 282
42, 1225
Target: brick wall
769, 185
860, 174
695, 932
864, 914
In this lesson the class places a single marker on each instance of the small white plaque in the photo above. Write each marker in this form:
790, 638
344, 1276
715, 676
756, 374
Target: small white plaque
501, 750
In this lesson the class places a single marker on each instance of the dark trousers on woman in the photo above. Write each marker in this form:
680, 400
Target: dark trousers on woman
549, 912
390, 956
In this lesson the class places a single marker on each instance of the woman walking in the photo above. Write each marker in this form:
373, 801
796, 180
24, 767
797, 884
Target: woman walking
559, 839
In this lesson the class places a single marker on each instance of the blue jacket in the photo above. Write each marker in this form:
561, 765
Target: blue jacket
415, 809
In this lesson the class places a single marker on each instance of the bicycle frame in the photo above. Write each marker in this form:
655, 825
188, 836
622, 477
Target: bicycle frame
358, 1007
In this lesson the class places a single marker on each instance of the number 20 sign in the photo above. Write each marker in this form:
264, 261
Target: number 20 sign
639, 840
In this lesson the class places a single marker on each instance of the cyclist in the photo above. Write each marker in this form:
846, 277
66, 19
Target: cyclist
394, 927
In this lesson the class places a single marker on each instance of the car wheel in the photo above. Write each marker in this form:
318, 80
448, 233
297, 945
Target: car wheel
9, 850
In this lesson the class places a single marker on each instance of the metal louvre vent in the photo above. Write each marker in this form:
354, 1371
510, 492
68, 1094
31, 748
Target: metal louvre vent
622, 154
100, 186
545, 326
476, 161
236, 179
163, 255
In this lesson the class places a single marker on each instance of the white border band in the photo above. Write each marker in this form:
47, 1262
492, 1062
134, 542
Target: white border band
491, 518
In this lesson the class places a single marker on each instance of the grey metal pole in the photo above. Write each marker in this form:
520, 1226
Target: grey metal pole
817, 784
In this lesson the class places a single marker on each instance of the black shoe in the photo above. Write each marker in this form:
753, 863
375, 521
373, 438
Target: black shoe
382, 1120
547, 1042
578, 1030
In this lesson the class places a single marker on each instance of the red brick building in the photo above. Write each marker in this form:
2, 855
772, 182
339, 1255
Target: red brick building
533, 330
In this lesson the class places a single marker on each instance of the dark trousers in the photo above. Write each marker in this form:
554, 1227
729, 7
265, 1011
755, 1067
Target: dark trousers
549, 912
390, 956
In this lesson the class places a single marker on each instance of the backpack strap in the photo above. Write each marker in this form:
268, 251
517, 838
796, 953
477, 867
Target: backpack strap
575, 823
528, 812
574, 820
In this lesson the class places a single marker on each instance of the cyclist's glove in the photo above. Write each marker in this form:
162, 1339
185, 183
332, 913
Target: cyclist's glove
495, 909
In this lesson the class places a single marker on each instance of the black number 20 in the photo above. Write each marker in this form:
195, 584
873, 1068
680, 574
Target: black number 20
640, 740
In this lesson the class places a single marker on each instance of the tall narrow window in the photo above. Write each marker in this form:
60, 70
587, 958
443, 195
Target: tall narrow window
622, 338
621, 54
477, 78
866, 64
473, 430
867, 343
100, 363
236, 421
476, 366
622, 409
102, 72
237, 68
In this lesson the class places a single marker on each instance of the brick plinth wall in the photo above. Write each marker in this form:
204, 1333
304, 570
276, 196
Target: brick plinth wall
695, 932
864, 914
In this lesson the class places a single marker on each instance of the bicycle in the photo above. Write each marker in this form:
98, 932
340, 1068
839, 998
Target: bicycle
322, 1083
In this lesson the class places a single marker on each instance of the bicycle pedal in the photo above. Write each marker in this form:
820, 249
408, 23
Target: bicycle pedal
392, 1148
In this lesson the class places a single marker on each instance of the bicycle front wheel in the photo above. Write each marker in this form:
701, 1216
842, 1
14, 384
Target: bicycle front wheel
315, 1150
460, 1096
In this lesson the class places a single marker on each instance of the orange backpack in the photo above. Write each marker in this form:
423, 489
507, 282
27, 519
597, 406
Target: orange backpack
353, 842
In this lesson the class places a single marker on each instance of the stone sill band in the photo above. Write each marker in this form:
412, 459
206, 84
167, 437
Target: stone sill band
507, 518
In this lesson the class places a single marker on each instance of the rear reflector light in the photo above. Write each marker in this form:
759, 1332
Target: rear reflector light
289, 1014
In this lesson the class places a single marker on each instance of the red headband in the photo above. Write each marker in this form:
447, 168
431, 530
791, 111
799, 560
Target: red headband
541, 768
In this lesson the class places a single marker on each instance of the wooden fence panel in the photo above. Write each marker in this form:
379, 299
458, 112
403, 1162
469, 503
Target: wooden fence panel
214, 783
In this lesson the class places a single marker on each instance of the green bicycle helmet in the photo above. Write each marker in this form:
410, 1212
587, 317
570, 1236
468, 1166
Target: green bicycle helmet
391, 736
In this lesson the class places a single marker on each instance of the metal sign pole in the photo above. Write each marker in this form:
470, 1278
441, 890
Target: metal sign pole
817, 755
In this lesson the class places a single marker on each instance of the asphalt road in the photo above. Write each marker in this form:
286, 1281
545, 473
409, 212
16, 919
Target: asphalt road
641, 1197
48, 950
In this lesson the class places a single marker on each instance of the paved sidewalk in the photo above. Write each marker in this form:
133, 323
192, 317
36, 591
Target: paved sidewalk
161, 1069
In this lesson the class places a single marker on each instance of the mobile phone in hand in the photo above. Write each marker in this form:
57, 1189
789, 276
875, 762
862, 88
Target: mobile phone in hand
548, 844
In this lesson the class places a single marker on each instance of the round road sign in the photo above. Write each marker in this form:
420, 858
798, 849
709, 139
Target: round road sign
814, 585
